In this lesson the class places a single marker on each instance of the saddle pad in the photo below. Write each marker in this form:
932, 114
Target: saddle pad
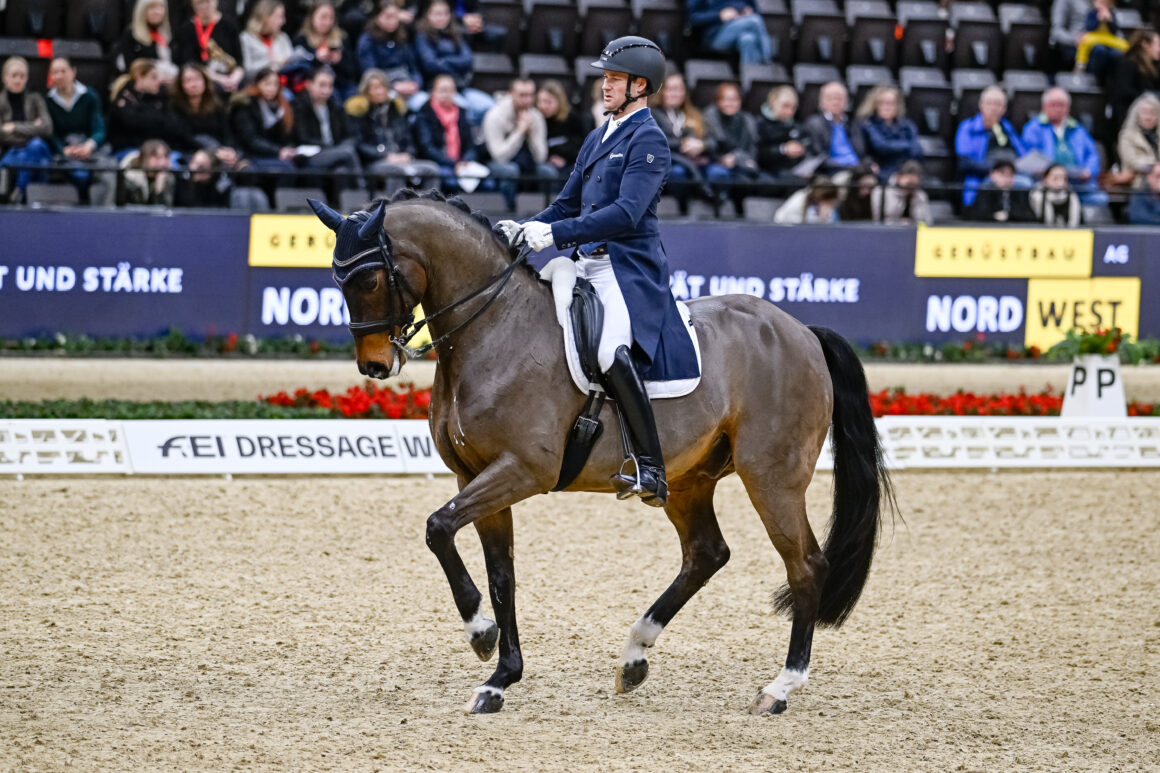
562, 283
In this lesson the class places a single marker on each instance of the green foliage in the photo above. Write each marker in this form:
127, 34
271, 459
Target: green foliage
1106, 342
157, 409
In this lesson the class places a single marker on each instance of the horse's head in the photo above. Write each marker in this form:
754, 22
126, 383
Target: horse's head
377, 293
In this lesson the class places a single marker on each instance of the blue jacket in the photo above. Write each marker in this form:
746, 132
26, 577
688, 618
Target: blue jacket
388, 56
705, 15
611, 199
442, 56
1039, 135
1144, 209
971, 141
890, 143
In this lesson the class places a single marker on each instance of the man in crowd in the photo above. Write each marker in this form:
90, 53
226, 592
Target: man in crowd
1065, 141
829, 131
1000, 201
516, 136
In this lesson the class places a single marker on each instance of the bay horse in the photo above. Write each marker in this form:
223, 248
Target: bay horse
502, 403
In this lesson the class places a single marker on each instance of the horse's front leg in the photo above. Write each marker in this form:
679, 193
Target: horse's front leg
495, 532
490, 493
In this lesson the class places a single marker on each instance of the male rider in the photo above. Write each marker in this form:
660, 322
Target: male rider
607, 211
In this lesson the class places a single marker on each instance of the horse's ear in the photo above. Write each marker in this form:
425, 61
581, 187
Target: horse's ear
371, 227
328, 216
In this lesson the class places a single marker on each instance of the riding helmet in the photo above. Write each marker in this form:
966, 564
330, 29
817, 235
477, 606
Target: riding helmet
636, 56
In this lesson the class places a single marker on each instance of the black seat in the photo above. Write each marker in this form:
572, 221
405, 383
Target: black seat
779, 25
1024, 94
552, 27
58, 194
968, 84
936, 158
924, 33
541, 66
872, 40
808, 79
929, 99
757, 80
662, 22
603, 20
294, 199
34, 18
860, 78
821, 32
1025, 35
1130, 20
492, 72
508, 14
1088, 102
703, 76
96, 20
976, 36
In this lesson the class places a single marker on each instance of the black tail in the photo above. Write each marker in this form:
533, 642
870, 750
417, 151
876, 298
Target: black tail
861, 483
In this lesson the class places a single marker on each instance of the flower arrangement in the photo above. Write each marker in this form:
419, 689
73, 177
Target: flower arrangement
367, 401
1104, 341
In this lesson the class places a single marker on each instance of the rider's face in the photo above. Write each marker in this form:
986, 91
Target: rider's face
613, 88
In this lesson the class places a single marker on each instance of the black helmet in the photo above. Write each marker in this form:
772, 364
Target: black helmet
636, 56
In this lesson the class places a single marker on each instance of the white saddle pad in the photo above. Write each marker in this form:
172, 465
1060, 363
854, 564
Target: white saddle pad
562, 284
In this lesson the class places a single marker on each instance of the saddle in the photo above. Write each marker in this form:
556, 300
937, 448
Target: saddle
587, 314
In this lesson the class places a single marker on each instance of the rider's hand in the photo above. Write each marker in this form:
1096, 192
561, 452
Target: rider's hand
538, 235
510, 230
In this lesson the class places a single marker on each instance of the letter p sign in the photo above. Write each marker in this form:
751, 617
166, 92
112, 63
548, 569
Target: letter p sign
1095, 389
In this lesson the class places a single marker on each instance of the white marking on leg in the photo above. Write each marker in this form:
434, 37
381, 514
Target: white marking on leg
643, 633
787, 681
477, 624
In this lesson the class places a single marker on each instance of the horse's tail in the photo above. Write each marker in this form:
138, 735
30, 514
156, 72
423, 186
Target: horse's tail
861, 483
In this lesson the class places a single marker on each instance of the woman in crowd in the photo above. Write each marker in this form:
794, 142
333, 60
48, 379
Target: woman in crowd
382, 129
442, 132
903, 201
566, 129
147, 179
858, 203
1137, 72
386, 46
264, 44
262, 122
1053, 201
782, 142
1139, 146
213, 40
78, 123
196, 102
148, 36
684, 128
442, 50
984, 138
321, 34
816, 203
25, 127
1101, 44
888, 137
733, 133
140, 111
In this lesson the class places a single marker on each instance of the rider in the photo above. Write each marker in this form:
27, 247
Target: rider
608, 212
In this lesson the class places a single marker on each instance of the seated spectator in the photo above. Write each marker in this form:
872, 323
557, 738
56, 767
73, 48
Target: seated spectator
321, 34
731, 25
782, 143
733, 135
1068, 18
516, 137
213, 40
25, 128
386, 46
320, 122
902, 200
887, 136
442, 50
684, 127
566, 128
203, 186
1137, 72
148, 36
264, 44
984, 138
861, 192
140, 111
443, 134
1053, 201
1139, 145
1144, 207
829, 132
262, 123
481, 36
1101, 44
382, 128
147, 179
816, 203
78, 124
196, 102
1062, 139
1000, 201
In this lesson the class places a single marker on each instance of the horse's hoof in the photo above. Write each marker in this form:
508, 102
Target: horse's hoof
484, 642
631, 675
484, 701
767, 704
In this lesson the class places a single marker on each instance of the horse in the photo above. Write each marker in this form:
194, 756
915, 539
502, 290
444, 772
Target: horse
502, 403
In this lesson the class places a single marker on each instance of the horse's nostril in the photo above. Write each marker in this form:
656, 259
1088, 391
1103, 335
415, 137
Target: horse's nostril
375, 370
362, 367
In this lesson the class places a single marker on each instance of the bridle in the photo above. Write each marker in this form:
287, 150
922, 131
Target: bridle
381, 256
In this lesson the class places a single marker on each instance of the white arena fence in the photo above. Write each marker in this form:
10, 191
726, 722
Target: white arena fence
345, 446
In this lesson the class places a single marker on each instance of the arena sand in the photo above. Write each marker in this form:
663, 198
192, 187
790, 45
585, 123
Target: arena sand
1011, 623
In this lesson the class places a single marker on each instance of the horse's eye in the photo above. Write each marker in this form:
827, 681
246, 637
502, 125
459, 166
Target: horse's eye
369, 282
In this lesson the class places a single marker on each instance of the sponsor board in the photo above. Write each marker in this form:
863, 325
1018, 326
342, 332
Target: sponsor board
1055, 306
290, 241
277, 446
977, 253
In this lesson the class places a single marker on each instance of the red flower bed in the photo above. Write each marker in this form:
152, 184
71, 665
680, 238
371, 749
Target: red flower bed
371, 401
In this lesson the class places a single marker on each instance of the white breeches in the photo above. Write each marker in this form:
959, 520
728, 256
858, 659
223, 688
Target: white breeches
617, 330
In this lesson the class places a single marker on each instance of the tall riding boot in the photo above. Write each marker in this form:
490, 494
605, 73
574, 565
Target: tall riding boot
626, 388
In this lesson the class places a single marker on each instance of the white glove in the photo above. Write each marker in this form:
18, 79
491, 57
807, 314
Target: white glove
538, 235
561, 272
510, 230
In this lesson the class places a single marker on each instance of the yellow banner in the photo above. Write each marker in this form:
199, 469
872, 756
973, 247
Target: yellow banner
290, 241
1005, 253
1055, 306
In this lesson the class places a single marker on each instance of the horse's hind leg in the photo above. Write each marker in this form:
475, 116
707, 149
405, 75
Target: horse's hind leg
703, 552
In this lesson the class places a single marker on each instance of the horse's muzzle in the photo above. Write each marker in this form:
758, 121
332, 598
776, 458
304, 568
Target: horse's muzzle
377, 356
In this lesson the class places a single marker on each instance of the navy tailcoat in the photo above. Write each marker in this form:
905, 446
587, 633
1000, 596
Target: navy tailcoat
610, 200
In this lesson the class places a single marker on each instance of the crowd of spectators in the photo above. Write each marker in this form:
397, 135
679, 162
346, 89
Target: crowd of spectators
213, 110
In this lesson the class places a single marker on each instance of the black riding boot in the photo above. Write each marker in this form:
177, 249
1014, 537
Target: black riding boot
627, 389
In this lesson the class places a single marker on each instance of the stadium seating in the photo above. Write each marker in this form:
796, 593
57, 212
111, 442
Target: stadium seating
552, 27
493, 72
604, 20
508, 14
1088, 101
53, 194
757, 80
808, 79
541, 66
663, 22
1025, 35
821, 32
779, 25
1024, 94
95, 20
704, 76
860, 78
34, 18
967, 85
924, 31
872, 33
294, 199
976, 36
928, 97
